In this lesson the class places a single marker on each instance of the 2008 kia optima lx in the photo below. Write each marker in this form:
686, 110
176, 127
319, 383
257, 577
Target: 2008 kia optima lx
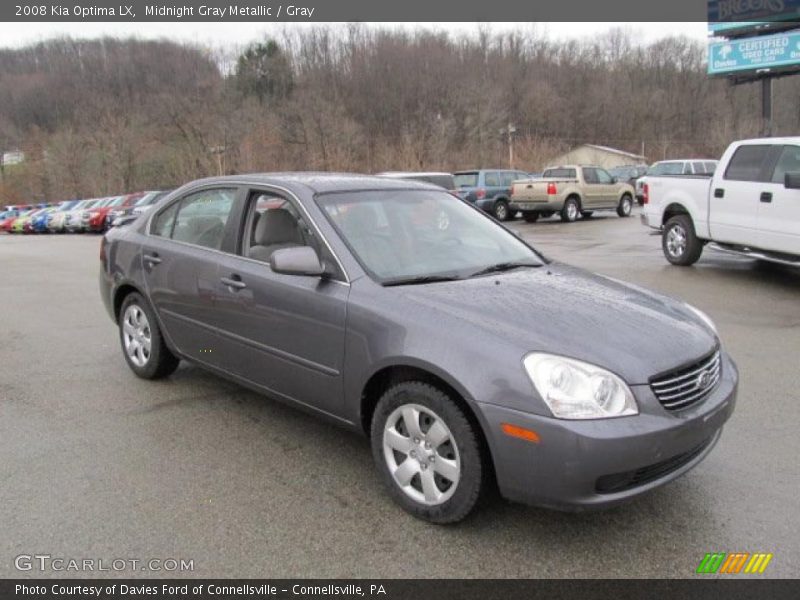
396, 309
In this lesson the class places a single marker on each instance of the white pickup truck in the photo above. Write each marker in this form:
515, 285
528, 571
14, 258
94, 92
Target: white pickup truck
750, 206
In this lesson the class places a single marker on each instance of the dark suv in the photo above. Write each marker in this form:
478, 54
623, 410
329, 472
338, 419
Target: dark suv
489, 189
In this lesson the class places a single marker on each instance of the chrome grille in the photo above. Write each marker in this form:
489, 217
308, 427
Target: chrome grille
688, 385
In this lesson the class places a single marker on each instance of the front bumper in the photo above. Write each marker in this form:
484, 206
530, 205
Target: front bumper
583, 465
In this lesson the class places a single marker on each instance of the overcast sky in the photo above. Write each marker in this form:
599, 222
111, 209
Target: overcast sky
238, 34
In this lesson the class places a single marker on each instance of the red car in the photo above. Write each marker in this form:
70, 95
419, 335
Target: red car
96, 218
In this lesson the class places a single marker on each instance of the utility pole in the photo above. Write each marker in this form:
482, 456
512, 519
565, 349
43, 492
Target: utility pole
509, 132
766, 107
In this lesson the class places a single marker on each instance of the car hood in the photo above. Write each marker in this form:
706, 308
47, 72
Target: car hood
570, 312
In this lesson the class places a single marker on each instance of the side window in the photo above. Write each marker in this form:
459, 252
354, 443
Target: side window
710, 167
492, 179
788, 162
590, 176
163, 221
698, 168
602, 176
202, 217
508, 179
687, 169
747, 162
274, 222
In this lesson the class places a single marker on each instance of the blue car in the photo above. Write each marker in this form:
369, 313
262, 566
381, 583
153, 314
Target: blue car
488, 189
39, 222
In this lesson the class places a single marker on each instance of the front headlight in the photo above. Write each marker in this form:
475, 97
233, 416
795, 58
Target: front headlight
704, 318
577, 390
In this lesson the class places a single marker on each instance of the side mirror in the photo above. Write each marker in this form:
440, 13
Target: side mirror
124, 220
298, 260
792, 181
615, 180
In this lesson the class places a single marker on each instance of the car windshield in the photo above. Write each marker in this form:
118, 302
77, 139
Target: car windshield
463, 180
402, 236
666, 168
146, 199
117, 201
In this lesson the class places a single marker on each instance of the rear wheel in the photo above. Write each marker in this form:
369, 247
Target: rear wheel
679, 242
530, 217
501, 210
427, 452
570, 210
625, 205
142, 342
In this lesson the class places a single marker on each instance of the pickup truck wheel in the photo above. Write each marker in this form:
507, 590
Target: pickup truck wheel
530, 217
679, 242
570, 210
142, 343
427, 452
625, 206
501, 211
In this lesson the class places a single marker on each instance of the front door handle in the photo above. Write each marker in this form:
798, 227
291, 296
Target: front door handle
234, 282
766, 196
719, 193
153, 258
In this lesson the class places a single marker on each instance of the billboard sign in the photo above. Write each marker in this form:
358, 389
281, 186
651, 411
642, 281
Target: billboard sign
730, 11
768, 52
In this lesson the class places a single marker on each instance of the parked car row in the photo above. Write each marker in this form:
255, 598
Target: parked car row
76, 216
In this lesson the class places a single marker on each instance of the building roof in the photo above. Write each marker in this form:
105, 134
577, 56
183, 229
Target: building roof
613, 151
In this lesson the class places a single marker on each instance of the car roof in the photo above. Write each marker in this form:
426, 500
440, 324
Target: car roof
412, 173
465, 171
320, 183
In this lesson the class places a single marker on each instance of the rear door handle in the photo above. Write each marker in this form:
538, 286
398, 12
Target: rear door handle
153, 259
766, 196
719, 193
234, 281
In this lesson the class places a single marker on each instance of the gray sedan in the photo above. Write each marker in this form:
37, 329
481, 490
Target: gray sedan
394, 309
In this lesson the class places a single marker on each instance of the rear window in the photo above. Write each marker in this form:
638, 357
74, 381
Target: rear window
560, 173
747, 163
666, 168
463, 180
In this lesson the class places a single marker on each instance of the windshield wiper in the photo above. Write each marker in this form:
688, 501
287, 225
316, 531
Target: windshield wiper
421, 279
504, 266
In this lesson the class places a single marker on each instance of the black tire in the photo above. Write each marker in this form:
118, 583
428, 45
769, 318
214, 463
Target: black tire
570, 210
471, 484
680, 244
587, 214
501, 211
530, 217
160, 362
625, 206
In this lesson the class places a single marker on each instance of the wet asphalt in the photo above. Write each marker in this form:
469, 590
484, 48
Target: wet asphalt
99, 464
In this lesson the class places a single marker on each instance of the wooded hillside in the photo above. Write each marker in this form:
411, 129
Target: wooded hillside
108, 116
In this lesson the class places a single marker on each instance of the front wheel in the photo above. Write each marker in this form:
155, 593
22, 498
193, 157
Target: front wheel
625, 206
679, 242
427, 452
142, 342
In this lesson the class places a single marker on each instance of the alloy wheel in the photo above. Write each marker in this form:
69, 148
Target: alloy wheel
676, 241
136, 335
